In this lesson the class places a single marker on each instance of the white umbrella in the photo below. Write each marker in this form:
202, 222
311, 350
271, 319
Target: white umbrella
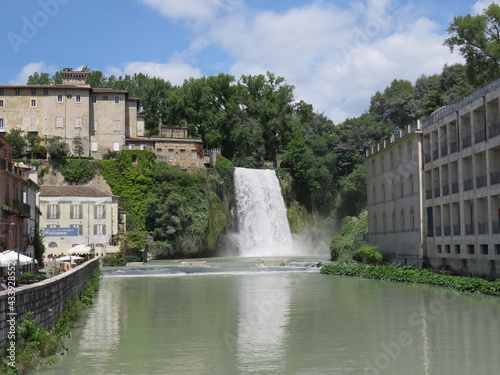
69, 258
10, 256
79, 249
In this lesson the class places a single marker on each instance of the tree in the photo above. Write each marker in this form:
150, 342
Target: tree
57, 148
16, 138
38, 79
478, 40
78, 146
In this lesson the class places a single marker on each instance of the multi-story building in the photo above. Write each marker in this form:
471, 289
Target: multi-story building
394, 171
456, 177
18, 202
78, 215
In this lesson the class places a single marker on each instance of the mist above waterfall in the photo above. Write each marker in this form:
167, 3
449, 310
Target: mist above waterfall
262, 224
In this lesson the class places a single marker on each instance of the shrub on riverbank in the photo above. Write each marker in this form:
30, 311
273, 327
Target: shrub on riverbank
410, 274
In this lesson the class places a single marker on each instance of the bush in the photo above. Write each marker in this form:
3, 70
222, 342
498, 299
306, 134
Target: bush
368, 255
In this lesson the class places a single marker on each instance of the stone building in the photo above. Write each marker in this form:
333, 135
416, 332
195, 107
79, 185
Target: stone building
394, 170
455, 175
78, 215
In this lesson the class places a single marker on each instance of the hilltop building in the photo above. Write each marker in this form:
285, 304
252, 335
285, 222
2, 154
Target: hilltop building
455, 177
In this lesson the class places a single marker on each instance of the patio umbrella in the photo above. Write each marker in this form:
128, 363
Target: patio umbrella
69, 258
10, 256
79, 249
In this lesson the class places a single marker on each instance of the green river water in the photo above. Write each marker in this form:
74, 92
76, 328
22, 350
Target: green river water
236, 317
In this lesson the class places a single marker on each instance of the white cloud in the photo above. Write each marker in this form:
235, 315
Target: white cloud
480, 5
192, 9
33, 67
175, 72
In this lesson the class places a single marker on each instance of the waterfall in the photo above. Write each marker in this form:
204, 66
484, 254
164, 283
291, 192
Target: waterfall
263, 228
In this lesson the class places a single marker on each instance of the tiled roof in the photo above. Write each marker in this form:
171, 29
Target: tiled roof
72, 191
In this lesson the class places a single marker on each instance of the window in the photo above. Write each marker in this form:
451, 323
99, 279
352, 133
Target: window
393, 221
400, 150
78, 98
33, 103
384, 222
59, 122
33, 124
94, 99
392, 159
183, 154
78, 122
438, 248
411, 184
373, 168
410, 150
45, 92
60, 98
1, 103
412, 219
18, 92
116, 125
383, 192
374, 194
457, 249
93, 146
116, 146
99, 229
99, 211
171, 154
76, 211
484, 249
33, 92
2, 124
54, 211
402, 220
159, 151
1, 92
194, 155
382, 162
117, 100
80, 228
470, 249
105, 97
402, 186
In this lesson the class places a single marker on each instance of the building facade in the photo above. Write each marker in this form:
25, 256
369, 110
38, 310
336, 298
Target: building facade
394, 175
18, 202
78, 215
456, 170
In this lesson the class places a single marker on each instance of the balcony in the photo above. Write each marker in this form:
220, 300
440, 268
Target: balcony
479, 136
438, 231
454, 187
469, 229
466, 141
494, 130
453, 147
446, 190
447, 230
437, 192
427, 158
444, 151
456, 230
481, 181
495, 226
428, 194
9, 166
495, 178
435, 154
483, 228
468, 184
17, 207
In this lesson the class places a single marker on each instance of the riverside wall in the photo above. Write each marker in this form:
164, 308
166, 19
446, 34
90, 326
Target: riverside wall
47, 298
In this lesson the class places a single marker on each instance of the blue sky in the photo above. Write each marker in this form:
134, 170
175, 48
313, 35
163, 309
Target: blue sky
336, 53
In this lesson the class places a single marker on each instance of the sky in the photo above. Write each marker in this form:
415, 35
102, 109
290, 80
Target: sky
336, 53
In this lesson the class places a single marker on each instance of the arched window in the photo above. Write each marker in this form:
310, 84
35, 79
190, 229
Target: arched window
402, 220
412, 219
411, 184
384, 221
383, 192
374, 194
374, 223
373, 168
402, 186
393, 220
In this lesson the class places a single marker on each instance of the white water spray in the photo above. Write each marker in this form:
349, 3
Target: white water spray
263, 228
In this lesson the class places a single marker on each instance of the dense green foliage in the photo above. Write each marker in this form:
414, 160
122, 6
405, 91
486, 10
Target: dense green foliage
129, 173
368, 255
410, 274
344, 246
77, 170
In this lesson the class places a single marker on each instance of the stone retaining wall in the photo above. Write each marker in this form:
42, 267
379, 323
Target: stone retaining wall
47, 298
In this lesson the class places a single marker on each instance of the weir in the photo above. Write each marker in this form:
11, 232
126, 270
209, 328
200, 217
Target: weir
263, 228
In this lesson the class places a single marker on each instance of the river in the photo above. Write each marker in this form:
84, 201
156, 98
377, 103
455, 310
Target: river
235, 316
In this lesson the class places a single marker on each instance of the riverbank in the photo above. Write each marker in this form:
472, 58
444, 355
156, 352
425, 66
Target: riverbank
410, 274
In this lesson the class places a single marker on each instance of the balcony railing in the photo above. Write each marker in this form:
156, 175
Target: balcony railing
479, 136
435, 154
481, 181
444, 151
428, 194
495, 226
495, 177
427, 158
438, 231
9, 166
446, 190
456, 230
453, 147
16, 207
466, 141
468, 184
437, 192
454, 187
483, 228
447, 230
469, 229
494, 130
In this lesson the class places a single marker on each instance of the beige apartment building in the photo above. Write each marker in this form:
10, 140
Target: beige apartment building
455, 174
101, 118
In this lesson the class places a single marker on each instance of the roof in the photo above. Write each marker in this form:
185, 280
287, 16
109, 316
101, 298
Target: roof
73, 191
81, 87
108, 90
